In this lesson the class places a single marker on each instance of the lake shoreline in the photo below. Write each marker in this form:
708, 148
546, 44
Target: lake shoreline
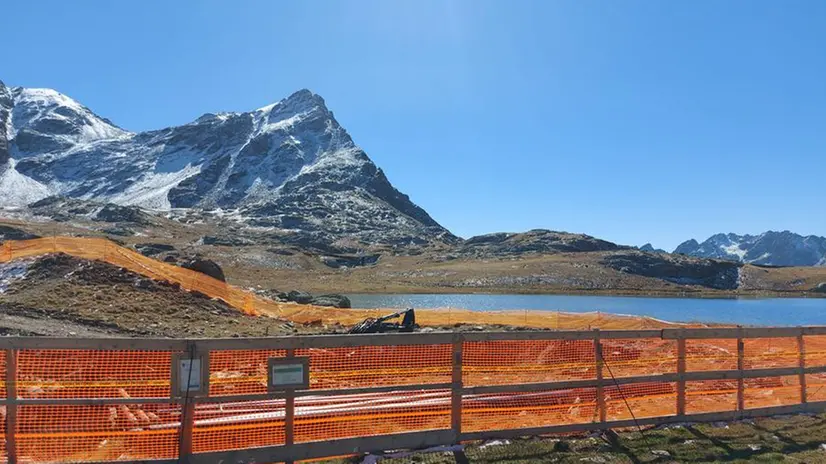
699, 294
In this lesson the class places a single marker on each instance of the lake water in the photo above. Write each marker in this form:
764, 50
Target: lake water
745, 311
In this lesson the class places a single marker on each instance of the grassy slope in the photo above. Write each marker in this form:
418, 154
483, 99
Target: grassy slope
793, 439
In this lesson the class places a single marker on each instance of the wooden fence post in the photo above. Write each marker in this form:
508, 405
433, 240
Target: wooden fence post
456, 387
289, 412
600, 388
681, 373
801, 364
11, 406
741, 402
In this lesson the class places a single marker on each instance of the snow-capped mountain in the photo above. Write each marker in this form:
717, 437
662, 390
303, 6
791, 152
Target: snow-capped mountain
289, 166
769, 248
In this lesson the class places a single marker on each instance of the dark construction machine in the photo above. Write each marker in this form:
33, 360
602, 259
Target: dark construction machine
380, 325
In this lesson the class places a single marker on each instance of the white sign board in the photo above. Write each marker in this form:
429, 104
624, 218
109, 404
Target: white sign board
189, 373
287, 374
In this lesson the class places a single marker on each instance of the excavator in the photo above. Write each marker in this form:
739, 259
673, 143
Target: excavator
380, 324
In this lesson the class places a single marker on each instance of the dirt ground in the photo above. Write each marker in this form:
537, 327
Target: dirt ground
66, 296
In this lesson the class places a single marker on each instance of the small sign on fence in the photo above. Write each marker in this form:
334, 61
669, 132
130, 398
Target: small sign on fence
190, 376
289, 374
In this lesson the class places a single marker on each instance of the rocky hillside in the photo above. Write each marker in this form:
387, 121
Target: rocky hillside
537, 241
769, 248
288, 166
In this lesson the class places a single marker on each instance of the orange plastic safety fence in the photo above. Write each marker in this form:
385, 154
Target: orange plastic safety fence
365, 366
765, 392
2, 374
238, 425
93, 374
501, 362
639, 400
239, 372
816, 387
710, 355
515, 410
762, 353
372, 414
815, 350
642, 356
710, 396
63, 433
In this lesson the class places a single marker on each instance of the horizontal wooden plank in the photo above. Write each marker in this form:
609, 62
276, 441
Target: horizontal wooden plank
745, 332
118, 344
325, 341
301, 451
90, 401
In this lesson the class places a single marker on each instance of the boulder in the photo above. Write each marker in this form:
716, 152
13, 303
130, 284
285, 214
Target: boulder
205, 266
334, 300
820, 288
298, 297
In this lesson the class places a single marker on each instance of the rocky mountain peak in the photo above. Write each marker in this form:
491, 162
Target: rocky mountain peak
769, 248
288, 166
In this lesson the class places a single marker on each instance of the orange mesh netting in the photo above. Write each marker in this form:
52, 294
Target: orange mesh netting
527, 361
514, 410
87, 433
93, 374
250, 303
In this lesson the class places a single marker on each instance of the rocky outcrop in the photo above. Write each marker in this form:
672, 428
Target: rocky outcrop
346, 261
820, 288
13, 233
205, 266
722, 275
115, 213
650, 248
153, 249
5, 114
536, 241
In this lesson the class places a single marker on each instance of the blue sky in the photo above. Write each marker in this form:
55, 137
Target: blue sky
633, 121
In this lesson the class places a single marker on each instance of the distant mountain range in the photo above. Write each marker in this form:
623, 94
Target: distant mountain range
769, 248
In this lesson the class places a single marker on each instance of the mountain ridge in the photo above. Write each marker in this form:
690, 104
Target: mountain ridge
288, 166
773, 248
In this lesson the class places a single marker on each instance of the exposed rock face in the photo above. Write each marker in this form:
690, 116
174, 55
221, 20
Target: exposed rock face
533, 241
769, 248
5, 114
288, 166
338, 261
153, 249
13, 233
820, 288
682, 270
114, 213
205, 266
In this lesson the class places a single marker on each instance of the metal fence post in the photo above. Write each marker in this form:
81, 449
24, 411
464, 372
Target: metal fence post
11, 405
681, 373
456, 387
600, 388
741, 401
801, 364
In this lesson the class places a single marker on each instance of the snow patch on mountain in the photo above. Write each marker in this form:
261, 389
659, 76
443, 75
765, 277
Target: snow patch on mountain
19, 190
152, 191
